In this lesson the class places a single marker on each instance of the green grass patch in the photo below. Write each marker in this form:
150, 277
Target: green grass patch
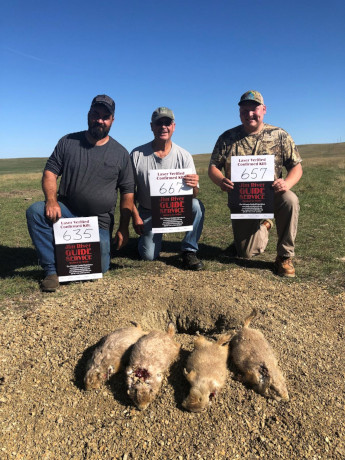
320, 245
19, 165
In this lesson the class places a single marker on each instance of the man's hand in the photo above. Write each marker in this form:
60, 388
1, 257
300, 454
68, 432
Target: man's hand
121, 238
293, 176
49, 187
280, 186
217, 177
191, 180
226, 185
53, 210
138, 225
126, 205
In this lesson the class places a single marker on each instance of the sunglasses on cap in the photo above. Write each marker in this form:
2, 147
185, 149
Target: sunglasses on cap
163, 122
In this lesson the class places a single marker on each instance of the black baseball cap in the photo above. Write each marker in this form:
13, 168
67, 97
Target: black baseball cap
104, 100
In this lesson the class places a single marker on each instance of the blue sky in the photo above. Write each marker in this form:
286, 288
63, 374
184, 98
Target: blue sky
196, 57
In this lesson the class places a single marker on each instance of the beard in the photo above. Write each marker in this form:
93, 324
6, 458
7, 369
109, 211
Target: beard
98, 131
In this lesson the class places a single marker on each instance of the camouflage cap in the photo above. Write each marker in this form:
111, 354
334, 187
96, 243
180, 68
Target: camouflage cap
105, 100
252, 96
162, 112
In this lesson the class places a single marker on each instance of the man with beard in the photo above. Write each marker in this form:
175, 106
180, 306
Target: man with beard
254, 137
92, 166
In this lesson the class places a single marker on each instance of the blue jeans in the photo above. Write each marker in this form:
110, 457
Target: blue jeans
42, 235
150, 244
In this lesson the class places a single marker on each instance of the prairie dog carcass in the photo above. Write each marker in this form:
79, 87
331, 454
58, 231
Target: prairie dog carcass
254, 357
110, 355
206, 371
150, 359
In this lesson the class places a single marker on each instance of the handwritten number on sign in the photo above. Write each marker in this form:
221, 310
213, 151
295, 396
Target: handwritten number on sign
162, 190
66, 236
76, 234
252, 174
172, 189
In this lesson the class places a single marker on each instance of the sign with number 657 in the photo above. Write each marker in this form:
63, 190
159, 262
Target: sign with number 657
252, 196
252, 168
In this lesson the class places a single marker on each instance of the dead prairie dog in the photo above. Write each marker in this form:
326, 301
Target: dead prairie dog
255, 359
206, 371
108, 357
150, 358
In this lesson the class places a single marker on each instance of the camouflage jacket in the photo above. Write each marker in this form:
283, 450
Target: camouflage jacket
270, 141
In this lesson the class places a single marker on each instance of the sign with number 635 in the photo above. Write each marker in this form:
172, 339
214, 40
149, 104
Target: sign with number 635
76, 230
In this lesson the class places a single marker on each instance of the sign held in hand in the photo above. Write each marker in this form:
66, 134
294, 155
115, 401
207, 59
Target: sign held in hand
77, 249
252, 196
171, 201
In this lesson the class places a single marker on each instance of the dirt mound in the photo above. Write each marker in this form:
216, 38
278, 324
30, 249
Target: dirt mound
46, 340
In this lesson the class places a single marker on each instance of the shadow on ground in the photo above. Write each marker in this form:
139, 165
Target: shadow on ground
206, 253
17, 258
14, 259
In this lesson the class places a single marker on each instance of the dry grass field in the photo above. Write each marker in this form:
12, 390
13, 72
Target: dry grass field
46, 339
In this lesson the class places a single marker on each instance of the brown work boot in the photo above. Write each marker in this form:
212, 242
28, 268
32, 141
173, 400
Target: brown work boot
283, 266
268, 223
50, 283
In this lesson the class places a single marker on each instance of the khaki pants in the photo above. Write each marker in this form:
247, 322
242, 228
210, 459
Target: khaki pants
251, 237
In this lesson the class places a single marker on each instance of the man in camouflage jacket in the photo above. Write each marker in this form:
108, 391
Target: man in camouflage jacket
254, 137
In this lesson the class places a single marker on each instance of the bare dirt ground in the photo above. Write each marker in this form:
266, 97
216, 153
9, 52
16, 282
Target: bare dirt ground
47, 338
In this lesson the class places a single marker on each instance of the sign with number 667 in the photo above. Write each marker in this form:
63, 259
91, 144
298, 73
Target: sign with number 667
169, 182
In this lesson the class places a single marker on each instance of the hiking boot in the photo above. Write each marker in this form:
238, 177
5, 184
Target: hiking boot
284, 267
191, 262
268, 223
50, 283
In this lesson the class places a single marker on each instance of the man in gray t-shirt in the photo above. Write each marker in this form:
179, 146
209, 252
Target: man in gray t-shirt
92, 166
162, 153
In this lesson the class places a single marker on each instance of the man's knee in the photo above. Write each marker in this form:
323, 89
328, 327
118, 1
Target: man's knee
289, 200
148, 248
250, 237
36, 209
147, 253
147, 256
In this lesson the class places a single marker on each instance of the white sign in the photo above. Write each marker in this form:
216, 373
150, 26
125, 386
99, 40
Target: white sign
76, 230
168, 182
253, 195
77, 249
252, 168
171, 200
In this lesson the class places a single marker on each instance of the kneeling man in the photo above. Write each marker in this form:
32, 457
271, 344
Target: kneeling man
162, 153
254, 137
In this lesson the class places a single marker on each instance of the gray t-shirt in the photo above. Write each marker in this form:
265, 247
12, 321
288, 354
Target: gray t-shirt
144, 159
91, 175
